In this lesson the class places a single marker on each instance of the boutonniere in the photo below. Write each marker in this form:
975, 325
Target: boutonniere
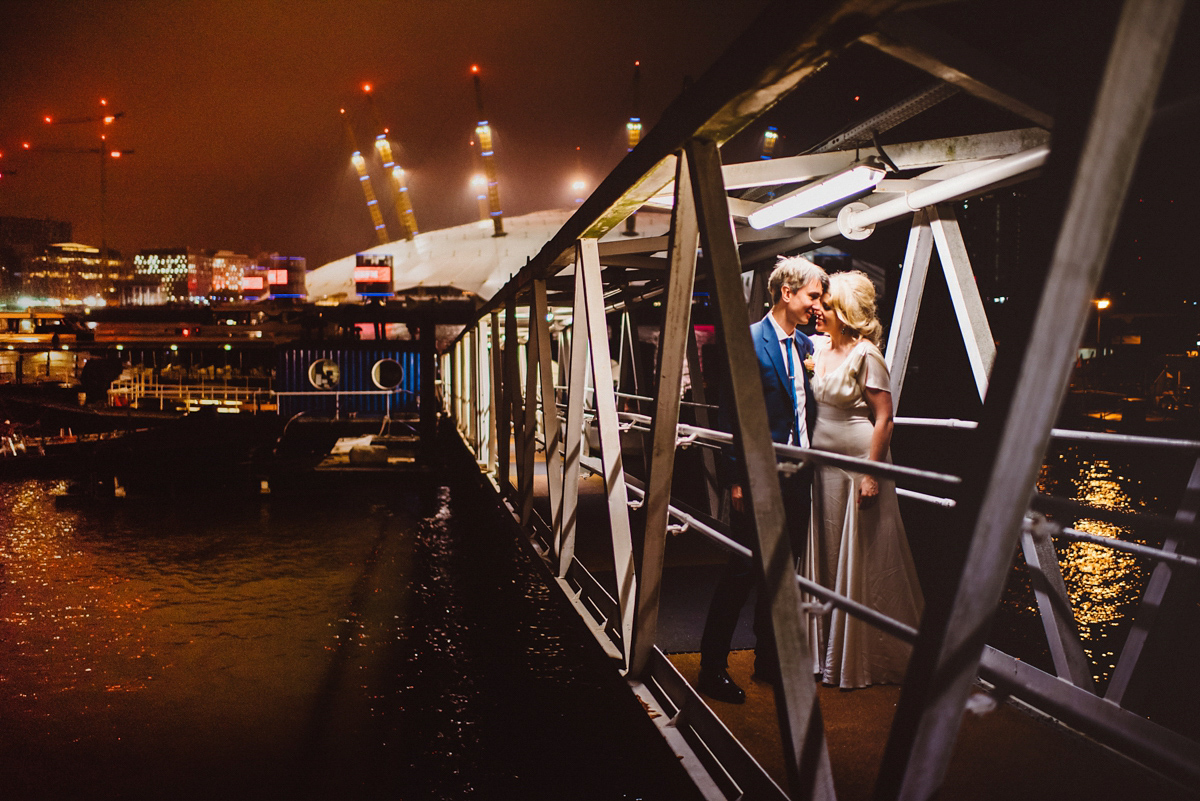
809, 365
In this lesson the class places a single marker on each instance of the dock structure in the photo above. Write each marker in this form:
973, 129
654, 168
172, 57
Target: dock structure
532, 389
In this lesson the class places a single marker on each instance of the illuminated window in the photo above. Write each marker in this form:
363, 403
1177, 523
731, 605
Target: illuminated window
372, 275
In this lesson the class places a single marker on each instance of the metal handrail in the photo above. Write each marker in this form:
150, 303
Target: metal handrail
1137, 549
1071, 435
851, 607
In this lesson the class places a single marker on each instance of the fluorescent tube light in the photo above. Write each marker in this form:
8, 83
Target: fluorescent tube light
847, 183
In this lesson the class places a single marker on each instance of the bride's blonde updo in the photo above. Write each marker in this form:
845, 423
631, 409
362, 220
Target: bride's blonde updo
852, 296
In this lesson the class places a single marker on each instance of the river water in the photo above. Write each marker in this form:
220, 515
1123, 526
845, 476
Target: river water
1105, 585
364, 641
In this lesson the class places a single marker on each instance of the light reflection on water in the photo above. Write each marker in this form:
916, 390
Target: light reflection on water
121, 626
1105, 586
313, 647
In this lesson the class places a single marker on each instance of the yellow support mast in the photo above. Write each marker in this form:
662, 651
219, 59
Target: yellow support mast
360, 164
633, 135
483, 135
400, 200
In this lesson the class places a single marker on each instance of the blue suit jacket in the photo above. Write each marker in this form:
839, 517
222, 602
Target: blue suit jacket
781, 411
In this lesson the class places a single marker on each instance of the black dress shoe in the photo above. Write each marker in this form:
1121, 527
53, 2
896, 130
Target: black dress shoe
717, 684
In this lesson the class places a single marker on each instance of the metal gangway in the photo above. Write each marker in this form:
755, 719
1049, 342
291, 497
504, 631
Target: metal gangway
1076, 154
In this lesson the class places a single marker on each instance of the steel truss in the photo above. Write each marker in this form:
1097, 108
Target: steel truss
500, 375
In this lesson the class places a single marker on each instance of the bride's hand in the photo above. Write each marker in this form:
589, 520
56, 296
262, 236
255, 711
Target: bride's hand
868, 491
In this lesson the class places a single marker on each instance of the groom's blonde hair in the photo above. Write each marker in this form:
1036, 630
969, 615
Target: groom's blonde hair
796, 272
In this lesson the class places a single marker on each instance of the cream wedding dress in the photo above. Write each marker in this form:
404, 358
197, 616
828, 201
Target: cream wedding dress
859, 552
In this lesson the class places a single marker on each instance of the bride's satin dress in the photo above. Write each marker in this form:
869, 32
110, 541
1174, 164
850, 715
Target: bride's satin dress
860, 552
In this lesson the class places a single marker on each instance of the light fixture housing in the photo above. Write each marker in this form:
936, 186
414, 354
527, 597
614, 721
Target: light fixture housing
853, 180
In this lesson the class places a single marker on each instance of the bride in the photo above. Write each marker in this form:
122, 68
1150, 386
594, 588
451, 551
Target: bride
856, 541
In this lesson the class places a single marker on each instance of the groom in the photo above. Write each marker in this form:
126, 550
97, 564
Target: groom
797, 286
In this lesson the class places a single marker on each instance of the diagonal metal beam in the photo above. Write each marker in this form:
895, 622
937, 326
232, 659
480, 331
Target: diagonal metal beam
550, 426
1054, 605
498, 455
927, 48
964, 294
806, 754
1020, 410
672, 354
511, 412
908, 301
1153, 598
564, 544
610, 440
529, 424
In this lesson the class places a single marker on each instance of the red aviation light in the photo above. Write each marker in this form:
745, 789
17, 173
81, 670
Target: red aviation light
116, 154
474, 69
367, 88
48, 119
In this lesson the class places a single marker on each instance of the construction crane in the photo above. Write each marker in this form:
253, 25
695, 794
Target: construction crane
633, 135
399, 185
483, 135
360, 164
104, 150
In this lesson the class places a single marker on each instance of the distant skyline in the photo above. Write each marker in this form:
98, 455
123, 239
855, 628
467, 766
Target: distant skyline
231, 109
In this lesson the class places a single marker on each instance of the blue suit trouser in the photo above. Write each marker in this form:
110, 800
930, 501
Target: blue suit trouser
741, 575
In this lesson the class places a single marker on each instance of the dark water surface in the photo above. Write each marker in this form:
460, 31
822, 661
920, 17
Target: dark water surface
1106, 586
366, 641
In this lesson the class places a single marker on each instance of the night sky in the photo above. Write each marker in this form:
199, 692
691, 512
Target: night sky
232, 108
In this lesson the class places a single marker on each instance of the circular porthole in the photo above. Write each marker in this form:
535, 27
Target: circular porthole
324, 374
387, 374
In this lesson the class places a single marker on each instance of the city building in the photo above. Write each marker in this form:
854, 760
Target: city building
68, 273
285, 275
229, 270
21, 239
184, 275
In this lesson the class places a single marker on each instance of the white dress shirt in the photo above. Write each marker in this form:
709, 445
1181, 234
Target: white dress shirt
786, 342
